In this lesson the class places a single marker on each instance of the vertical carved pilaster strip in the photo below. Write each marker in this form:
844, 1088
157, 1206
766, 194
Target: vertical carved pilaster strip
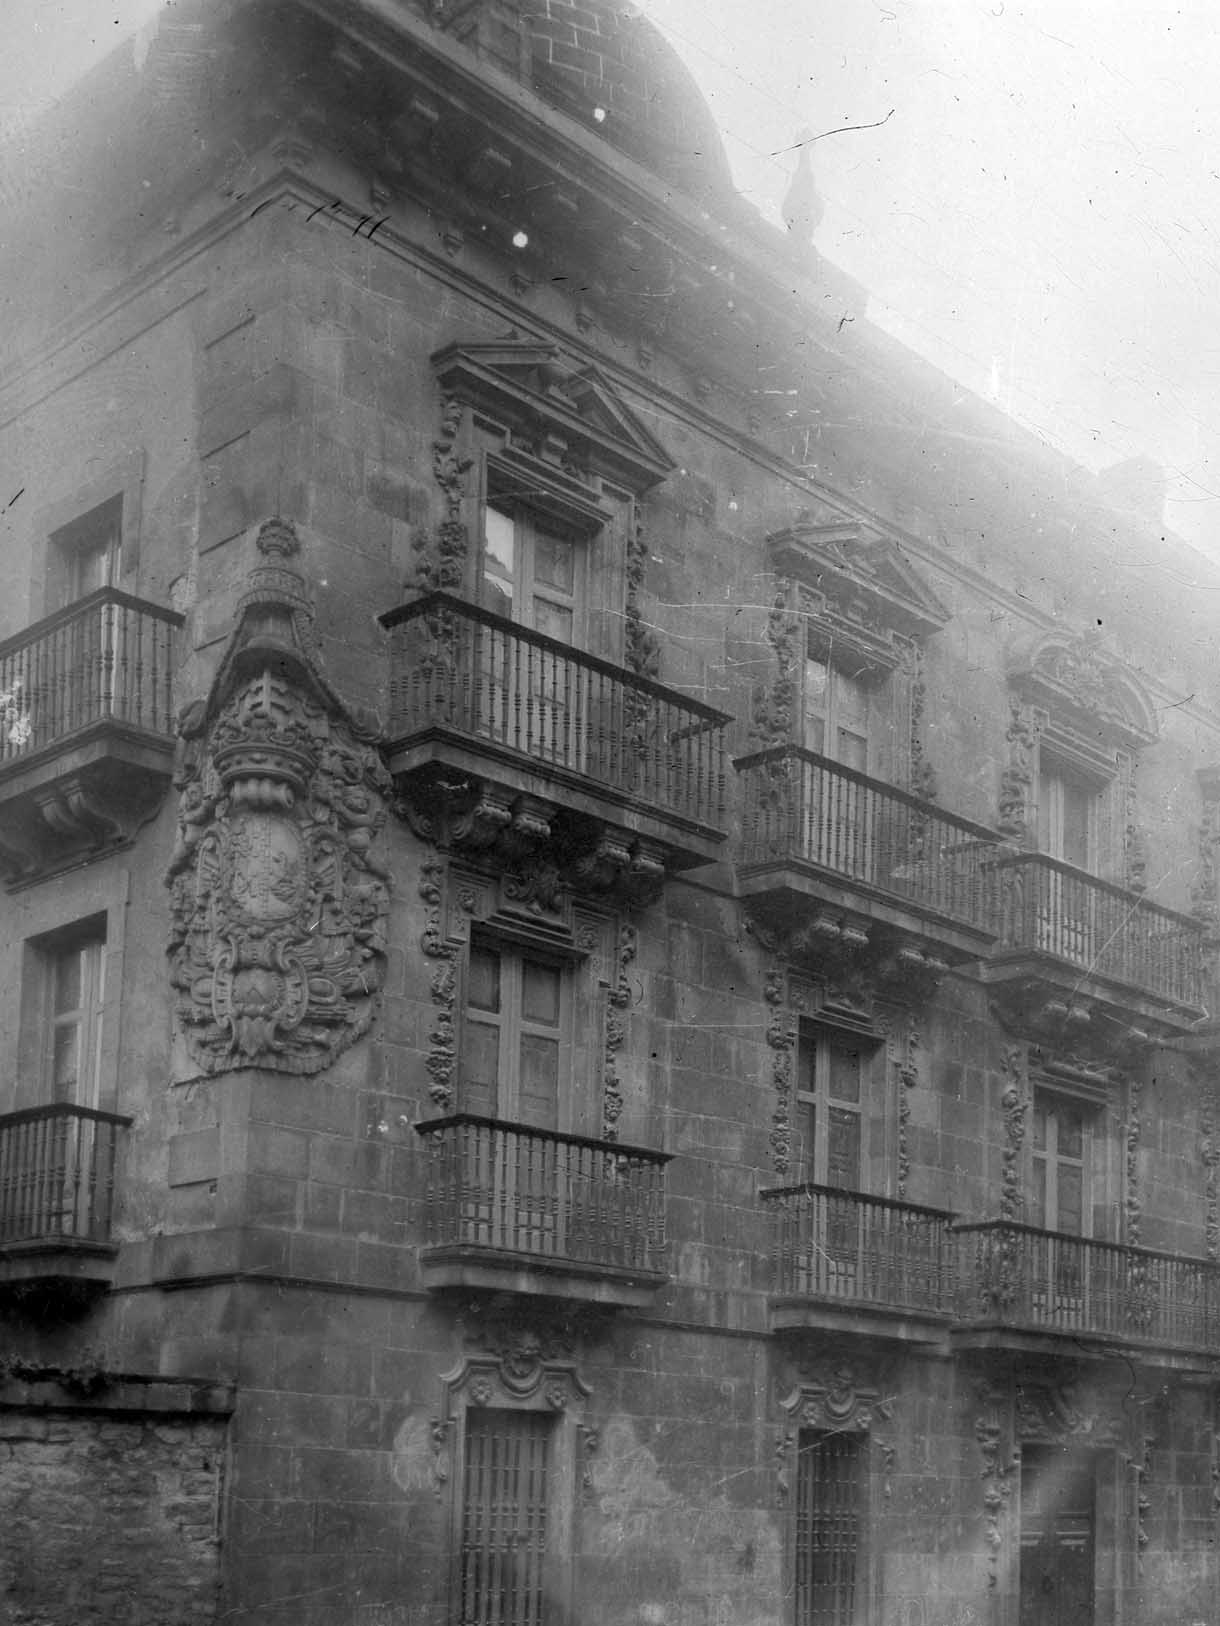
781, 1036
1133, 1201
1001, 1462
908, 1079
1134, 870
1210, 1152
641, 652
773, 717
919, 775
616, 1029
1015, 1102
441, 1061
1017, 780
440, 560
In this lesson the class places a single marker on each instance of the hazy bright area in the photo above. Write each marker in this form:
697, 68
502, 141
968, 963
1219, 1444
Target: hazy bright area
1033, 204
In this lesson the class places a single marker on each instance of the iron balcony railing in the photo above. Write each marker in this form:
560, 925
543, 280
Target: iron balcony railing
460, 669
1106, 931
1017, 1276
107, 657
803, 808
844, 1245
57, 1174
565, 1199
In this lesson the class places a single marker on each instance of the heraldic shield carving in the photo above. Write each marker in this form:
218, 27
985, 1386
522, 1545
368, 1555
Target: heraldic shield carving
278, 897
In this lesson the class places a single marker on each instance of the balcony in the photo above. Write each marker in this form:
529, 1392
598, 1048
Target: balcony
503, 729
829, 853
56, 1195
844, 1262
1070, 943
525, 1210
1024, 1289
86, 728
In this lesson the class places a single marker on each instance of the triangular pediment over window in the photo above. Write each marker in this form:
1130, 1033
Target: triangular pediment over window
861, 574
556, 408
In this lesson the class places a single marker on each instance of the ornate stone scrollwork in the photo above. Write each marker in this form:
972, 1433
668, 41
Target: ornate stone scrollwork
836, 1399
1015, 1103
1001, 1463
781, 1037
440, 560
278, 897
618, 1000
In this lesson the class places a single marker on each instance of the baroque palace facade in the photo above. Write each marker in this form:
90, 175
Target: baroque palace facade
608, 958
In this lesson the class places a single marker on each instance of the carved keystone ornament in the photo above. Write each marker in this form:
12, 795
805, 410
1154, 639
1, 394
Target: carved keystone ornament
278, 897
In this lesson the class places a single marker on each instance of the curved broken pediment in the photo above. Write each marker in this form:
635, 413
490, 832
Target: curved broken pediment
1083, 687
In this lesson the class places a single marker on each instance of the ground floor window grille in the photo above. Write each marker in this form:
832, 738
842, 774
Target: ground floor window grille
506, 1488
829, 1518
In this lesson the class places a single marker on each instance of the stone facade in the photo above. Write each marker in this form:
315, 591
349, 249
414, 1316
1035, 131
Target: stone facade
807, 718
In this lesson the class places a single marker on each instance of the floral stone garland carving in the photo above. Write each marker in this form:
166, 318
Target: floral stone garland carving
278, 900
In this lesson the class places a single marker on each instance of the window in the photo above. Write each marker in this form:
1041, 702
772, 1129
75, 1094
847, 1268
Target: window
85, 554
75, 987
532, 573
831, 1068
836, 714
831, 1487
516, 1039
506, 1518
1066, 813
1060, 1195
536, 697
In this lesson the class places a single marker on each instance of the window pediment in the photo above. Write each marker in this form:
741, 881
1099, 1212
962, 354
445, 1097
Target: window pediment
1088, 695
862, 577
567, 415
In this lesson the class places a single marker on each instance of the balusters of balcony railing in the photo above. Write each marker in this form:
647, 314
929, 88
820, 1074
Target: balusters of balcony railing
847, 1245
57, 1168
108, 656
1018, 1276
456, 666
510, 1188
803, 808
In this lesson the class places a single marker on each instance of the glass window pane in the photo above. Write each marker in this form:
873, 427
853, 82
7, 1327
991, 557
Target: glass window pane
1037, 1204
806, 1060
1040, 1125
1071, 1132
499, 560
817, 685
539, 1080
67, 981
540, 992
1077, 799
483, 980
843, 1149
480, 1068
1071, 1207
65, 1061
804, 1132
845, 1068
555, 562
852, 697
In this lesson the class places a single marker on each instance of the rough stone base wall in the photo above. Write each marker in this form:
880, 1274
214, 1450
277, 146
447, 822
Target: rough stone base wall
109, 1520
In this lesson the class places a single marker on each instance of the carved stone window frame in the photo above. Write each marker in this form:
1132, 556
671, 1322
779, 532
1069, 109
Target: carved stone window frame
521, 1377
123, 480
525, 424
502, 908
849, 598
1073, 705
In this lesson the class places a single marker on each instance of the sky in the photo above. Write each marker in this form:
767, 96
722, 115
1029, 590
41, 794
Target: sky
1033, 202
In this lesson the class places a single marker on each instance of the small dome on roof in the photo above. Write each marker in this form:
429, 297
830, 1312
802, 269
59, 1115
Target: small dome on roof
605, 64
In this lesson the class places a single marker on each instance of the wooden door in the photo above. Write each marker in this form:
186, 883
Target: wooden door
1058, 1519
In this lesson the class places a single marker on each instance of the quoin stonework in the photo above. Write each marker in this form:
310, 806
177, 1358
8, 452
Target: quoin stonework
610, 908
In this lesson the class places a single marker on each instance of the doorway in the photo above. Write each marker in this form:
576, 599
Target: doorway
1058, 1525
